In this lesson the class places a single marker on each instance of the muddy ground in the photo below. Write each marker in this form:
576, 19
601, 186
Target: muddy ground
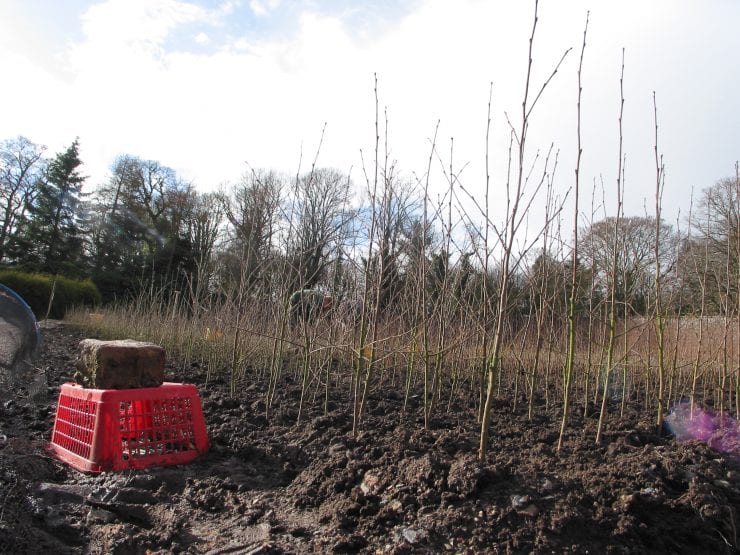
274, 487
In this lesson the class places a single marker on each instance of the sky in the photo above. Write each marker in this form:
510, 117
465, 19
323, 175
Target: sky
212, 88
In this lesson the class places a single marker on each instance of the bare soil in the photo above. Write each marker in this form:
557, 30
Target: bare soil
271, 486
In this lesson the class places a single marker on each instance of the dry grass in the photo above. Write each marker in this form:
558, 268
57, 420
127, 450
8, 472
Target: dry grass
209, 339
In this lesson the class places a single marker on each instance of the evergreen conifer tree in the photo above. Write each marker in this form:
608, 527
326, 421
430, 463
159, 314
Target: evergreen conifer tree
52, 240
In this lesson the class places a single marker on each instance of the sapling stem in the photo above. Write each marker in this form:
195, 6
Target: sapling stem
568, 371
613, 274
659, 321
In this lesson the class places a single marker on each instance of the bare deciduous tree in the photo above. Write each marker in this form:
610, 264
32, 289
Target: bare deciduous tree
253, 210
322, 213
635, 259
21, 164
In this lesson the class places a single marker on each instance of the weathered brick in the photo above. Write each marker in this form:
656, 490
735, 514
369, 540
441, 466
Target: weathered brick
119, 364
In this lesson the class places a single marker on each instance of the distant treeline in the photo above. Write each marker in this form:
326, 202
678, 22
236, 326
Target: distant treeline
266, 235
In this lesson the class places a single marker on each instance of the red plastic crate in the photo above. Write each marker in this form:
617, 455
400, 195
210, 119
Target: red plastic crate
99, 430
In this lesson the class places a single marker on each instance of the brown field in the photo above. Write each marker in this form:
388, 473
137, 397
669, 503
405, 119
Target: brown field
271, 485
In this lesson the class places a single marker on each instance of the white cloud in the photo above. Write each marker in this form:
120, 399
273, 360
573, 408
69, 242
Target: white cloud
262, 8
34, 106
202, 39
134, 23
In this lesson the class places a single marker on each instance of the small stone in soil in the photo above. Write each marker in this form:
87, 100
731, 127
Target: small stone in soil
100, 516
530, 511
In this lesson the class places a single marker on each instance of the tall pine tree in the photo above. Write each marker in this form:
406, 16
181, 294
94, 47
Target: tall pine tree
52, 240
